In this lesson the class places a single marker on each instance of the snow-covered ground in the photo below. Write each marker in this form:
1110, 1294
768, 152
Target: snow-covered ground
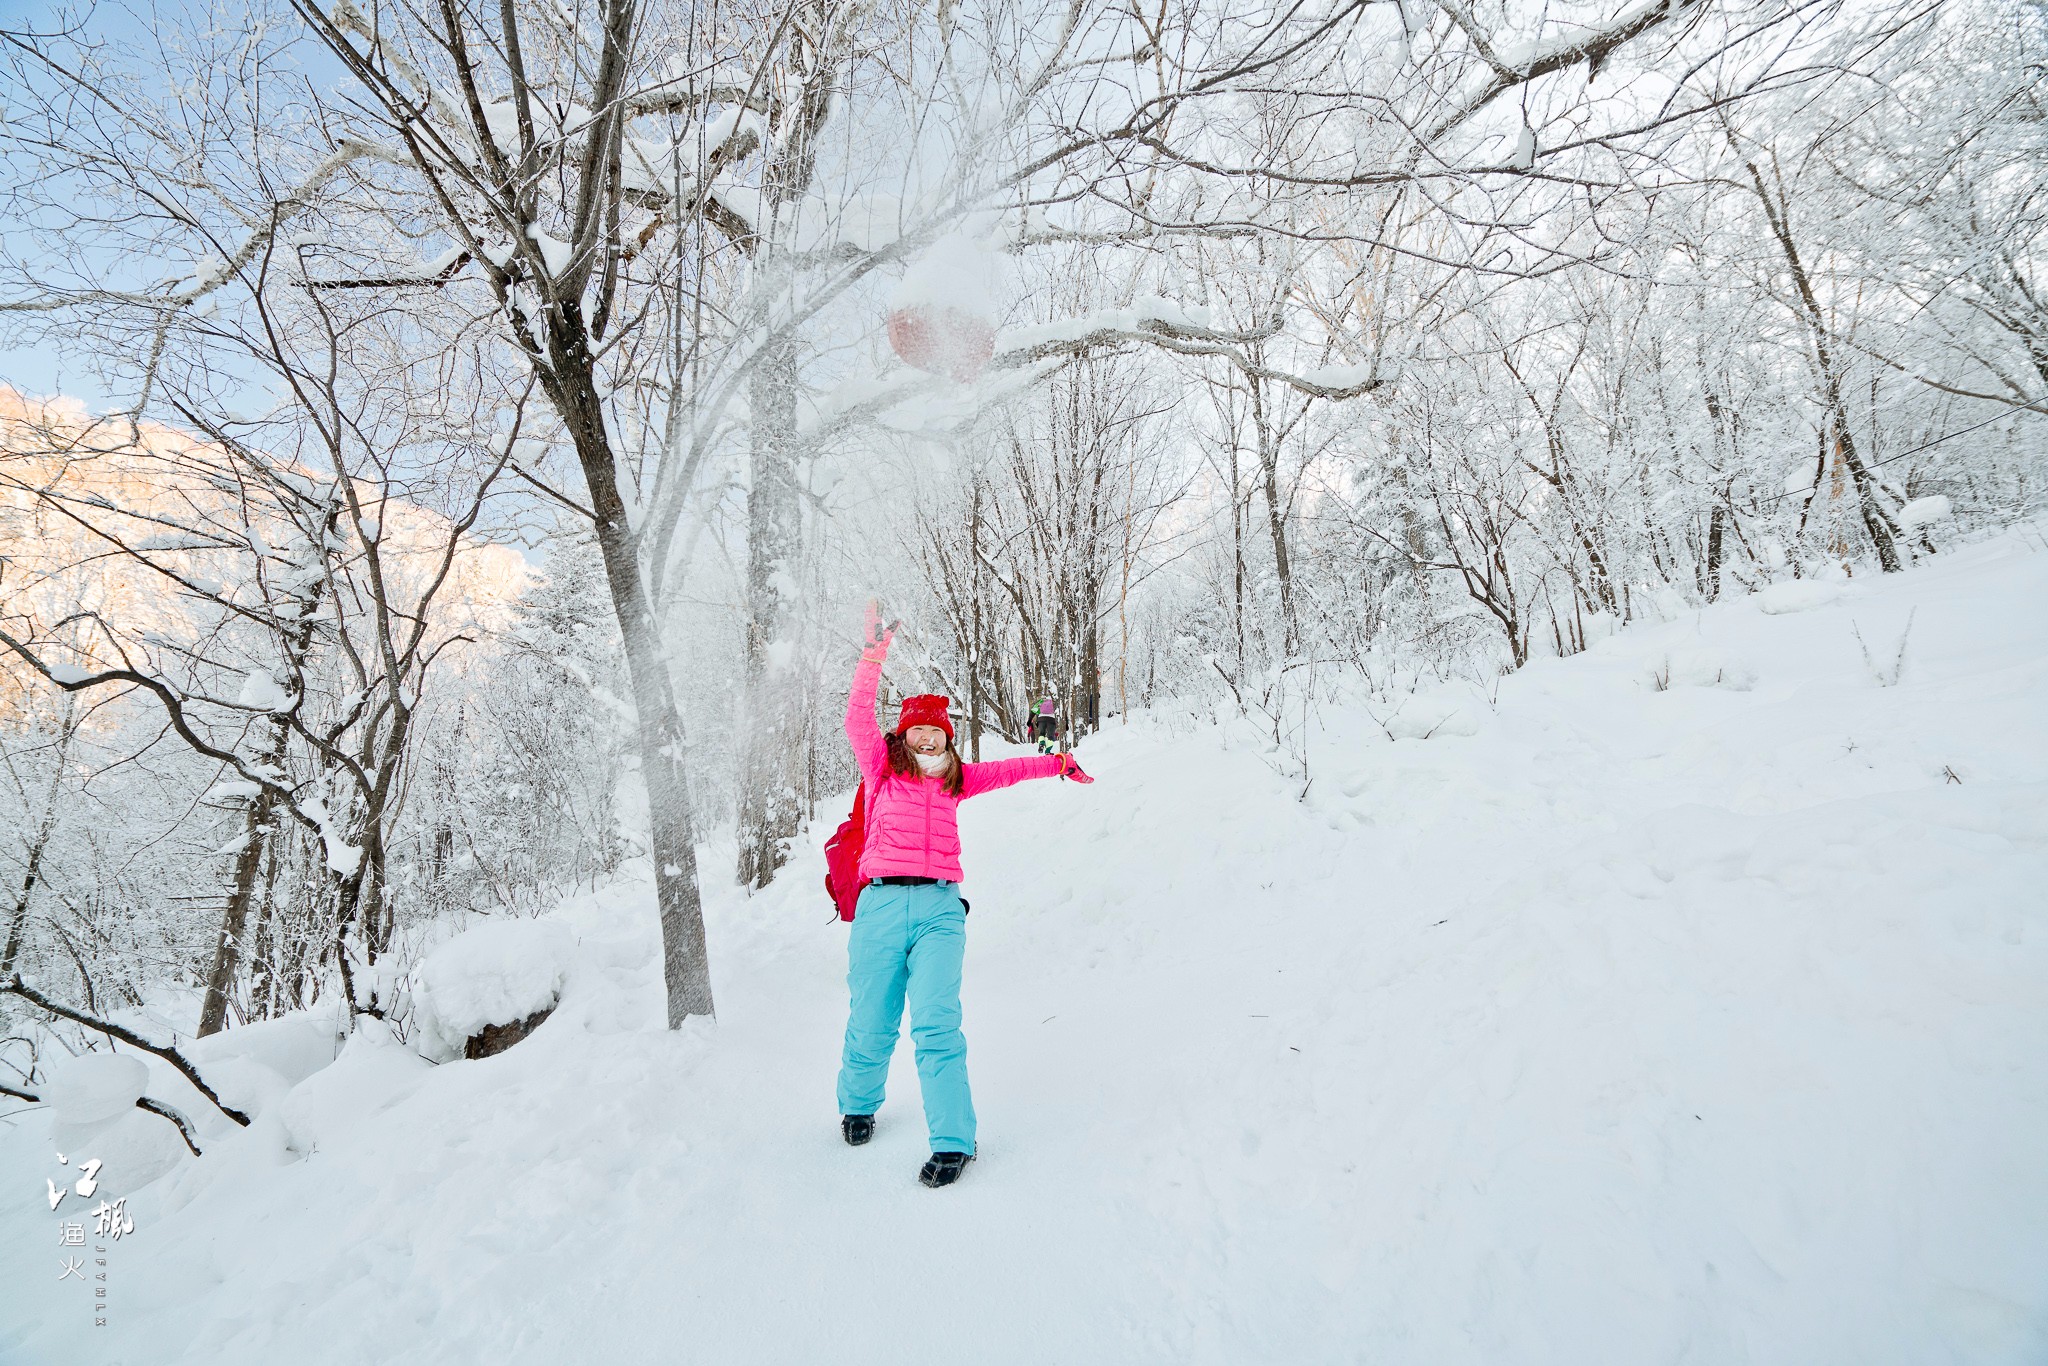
1700, 1023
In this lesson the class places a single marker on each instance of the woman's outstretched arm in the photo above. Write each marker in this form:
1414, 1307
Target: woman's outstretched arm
976, 779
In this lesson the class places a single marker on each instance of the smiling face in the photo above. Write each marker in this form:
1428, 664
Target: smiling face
925, 740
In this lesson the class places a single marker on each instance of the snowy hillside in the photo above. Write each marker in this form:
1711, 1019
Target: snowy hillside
1689, 1008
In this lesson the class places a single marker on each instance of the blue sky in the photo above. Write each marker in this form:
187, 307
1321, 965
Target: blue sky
36, 369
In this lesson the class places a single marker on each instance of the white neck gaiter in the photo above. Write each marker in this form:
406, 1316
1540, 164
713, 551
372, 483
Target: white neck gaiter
930, 763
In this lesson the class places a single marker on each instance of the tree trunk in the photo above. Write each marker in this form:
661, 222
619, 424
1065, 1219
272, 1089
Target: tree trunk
257, 832
1088, 717
1236, 559
1416, 539
263, 975
1276, 517
1877, 519
227, 951
1715, 525
974, 631
768, 813
686, 970
17, 923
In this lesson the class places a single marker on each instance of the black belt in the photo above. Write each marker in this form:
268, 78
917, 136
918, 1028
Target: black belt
909, 881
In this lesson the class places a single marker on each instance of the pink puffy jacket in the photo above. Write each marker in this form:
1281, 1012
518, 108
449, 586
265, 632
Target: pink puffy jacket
911, 826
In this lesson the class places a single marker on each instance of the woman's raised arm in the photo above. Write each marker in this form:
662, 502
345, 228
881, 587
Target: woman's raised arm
870, 751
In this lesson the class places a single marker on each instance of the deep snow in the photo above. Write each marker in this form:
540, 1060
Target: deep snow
1684, 1003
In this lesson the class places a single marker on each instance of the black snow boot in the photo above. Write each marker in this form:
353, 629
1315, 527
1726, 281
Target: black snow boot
858, 1129
943, 1169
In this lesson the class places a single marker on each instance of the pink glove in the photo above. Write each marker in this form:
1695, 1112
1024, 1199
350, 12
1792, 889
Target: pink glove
1070, 769
875, 637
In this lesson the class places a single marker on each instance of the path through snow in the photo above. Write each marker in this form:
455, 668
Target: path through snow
1651, 1026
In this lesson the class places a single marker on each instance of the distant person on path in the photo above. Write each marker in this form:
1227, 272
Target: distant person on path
909, 931
1046, 724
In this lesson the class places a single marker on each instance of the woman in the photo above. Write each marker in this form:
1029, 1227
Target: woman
910, 925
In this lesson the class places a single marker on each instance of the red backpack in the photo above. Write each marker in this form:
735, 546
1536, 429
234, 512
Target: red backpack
842, 855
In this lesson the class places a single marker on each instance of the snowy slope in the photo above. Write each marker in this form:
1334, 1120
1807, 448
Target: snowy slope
1699, 1024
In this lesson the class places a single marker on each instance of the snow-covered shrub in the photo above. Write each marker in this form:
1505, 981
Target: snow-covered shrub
497, 973
93, 1087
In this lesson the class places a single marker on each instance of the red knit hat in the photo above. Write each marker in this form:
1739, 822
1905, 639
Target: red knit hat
925, 709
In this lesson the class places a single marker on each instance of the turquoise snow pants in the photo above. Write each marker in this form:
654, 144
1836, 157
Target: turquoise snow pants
908, 942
